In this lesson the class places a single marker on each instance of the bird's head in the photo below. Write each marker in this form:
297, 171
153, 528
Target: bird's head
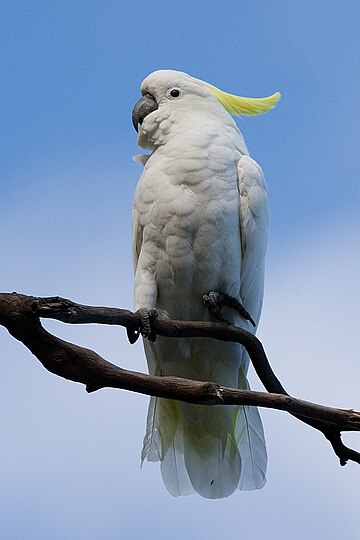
169, 97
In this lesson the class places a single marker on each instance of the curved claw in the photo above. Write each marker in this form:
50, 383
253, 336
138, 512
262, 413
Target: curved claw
133, 335
235, 304
215, 300
147, 316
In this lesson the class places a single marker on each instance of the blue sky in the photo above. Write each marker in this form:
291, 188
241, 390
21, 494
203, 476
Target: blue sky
70, 74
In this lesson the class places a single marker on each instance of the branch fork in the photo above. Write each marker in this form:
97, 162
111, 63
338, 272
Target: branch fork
21, 316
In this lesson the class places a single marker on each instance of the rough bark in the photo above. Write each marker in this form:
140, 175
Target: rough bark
21, 315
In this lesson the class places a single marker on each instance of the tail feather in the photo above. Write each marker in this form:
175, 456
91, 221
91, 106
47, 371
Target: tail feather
213, 463
162, 421
251, 443
211, 450
151, 450
202, 456
173, 468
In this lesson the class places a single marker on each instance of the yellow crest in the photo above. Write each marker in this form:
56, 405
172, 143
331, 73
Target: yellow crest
243, 105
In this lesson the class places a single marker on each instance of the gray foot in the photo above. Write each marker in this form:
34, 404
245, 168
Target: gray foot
215, 300
147, 316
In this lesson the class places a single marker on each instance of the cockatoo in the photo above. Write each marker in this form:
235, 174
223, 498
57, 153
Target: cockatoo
200, 219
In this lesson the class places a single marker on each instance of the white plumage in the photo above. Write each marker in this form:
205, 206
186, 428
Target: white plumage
199, 224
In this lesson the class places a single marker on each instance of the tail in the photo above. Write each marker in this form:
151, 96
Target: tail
211, 450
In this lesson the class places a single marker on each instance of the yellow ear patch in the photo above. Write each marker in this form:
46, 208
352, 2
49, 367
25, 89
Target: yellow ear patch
243, 105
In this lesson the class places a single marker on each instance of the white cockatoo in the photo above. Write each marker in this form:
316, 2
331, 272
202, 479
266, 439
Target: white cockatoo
200, 219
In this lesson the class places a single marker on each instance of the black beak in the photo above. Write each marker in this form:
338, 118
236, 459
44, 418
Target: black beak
144, 106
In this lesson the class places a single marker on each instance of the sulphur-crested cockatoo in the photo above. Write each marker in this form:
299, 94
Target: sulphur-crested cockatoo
200, 221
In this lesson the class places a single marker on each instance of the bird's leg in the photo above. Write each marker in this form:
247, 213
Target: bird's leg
215, 300
147, 316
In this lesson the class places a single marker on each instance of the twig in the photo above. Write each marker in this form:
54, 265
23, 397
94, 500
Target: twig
21, 314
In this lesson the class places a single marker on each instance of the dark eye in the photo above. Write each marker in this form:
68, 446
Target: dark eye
174, 93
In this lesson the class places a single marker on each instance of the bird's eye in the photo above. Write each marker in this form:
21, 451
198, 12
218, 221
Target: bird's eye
174, 93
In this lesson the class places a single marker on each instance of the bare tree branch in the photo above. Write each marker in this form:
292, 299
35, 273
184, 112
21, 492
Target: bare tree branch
21, 315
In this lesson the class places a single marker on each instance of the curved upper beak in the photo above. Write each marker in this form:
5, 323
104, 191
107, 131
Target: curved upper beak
143, 107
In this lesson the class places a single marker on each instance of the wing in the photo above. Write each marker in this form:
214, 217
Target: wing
254, 216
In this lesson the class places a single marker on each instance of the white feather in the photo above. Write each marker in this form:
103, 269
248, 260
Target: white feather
199, 224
